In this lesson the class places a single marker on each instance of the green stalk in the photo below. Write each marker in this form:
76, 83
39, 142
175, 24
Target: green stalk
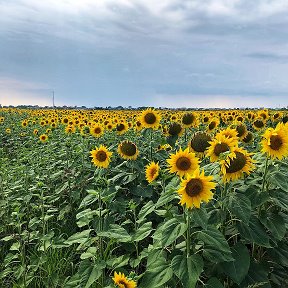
265, 174
188, 236
151, 148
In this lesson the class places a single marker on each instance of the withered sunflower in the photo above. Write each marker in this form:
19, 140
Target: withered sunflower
150, 118
235, 164
152, 171
122, 281
128, 150
275, 142
183, 162
101, 157
196, 189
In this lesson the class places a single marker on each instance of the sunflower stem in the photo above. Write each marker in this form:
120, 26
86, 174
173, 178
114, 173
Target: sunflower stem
265, 174
151, 148
188, 243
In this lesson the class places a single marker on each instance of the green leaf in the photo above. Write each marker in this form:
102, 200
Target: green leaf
199, 217
237, 269
279, 254
188, 270
274, 223
240, 206
157, 275
280, 198
142, 232
171, 230
118, 262
254, 232
90, 273
117, 232
280, 180
79, 237
214, 283
165, 198
146, 210
255, 196
216, 247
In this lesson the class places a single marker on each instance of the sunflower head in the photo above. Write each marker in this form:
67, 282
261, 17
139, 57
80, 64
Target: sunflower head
183, 162
152, 171
188, 120
248, 138
150, 118
101, 156
121, 281
175, 129
97, 130
195, 189
275, 142
200, 142
43, 138
241, 130
128, 150
235, 164
259, 124
121, 128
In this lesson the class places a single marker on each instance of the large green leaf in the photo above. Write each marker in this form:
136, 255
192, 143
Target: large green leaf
237, 269
274, 223
280, 180
171, 230
213, 283
280, 198
199, 217
240, 206
142, 232
117, 232
216, 247
254, 232
146, 210
188, 270
79, 237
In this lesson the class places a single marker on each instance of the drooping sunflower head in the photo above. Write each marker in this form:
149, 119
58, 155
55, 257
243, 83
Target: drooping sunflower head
196, 188
175, 129
219, 145
241, 130
200, 143
43, 138
248, 138
235, 164
122, 281
275, 142
183, 162
152, 171
150, 118
128, 150
213, 124
258, 124
101, 156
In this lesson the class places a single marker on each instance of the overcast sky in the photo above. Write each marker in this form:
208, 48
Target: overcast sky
172, 53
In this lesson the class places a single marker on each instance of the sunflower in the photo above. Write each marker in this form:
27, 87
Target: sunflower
8, 130
275, 142
122, 281
152, 171
24, 123
43, 138
175, 129
200, 142
121, 128
96, 130
258, 124
195, 189
183, 162
229, 133
150, 118
213, 124
235, 164
218, 146
128, 150
248, 138
241, 130
101, 157
188, 120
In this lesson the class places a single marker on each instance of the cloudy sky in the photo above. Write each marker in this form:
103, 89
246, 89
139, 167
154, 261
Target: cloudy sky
172, 53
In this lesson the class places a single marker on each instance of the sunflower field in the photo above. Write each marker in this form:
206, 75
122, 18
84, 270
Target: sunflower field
143, 198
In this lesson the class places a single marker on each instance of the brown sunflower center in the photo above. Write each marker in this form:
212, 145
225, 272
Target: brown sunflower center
150, 118
237, 163
188, 119
153, 171
220, 148
200, 142
120, 127
122, 284
258, 123
206, 119
194, 187
183, 163
241, 129
174, 129
101, 156
128, 148
97, 130
212, 125
275, 142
